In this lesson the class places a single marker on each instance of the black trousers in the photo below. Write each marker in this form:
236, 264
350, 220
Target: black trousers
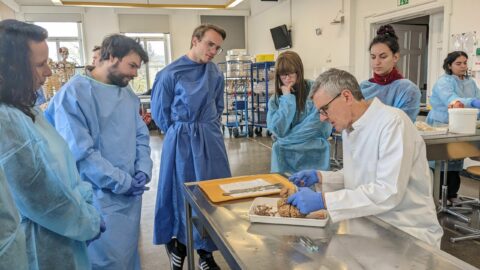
453, 183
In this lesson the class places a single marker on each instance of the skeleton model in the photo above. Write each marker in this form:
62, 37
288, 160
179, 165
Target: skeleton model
62, 71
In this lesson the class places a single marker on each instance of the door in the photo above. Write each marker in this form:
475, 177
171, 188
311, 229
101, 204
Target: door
413, 52
436, 53
412, 40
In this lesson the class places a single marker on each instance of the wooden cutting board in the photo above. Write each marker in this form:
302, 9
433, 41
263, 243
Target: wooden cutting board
213, 191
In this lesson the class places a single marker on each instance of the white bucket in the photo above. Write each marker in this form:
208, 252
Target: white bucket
462, 120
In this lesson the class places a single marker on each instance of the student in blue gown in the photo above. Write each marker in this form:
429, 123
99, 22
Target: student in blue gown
55, 206
98, 115
13, 250
454, 89
300, 138
387, 84
187, 103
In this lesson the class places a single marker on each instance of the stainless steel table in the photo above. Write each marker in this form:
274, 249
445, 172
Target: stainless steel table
361, 243
447, 147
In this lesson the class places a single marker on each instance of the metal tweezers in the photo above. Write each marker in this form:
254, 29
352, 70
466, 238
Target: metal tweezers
253, 189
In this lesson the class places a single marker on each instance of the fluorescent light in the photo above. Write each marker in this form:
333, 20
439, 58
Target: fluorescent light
234, 3
136, 5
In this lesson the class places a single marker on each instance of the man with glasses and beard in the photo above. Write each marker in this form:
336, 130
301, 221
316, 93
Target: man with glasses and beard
98, 116
187, 103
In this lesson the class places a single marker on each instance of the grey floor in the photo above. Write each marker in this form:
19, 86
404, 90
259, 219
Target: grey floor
252, 156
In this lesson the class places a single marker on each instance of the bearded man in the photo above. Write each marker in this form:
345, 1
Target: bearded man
98, 116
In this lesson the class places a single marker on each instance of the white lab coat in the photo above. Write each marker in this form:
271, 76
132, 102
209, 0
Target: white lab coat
385, 174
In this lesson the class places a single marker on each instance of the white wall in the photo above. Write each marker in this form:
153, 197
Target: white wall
458, 18
347, 44
182, 25
375, 10
464, 16
99, 22
6, 12
340, 45
330, 49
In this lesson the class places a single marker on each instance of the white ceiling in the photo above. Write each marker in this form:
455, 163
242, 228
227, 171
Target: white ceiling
243, 5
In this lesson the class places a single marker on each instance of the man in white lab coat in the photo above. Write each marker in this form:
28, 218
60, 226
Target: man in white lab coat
385, 170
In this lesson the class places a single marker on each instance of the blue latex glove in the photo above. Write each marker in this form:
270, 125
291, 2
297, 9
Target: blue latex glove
475, 103
138, 187
103, 228
307, 200
304, 178
141, 178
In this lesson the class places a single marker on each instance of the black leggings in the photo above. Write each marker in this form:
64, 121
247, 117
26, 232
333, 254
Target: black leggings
453, 183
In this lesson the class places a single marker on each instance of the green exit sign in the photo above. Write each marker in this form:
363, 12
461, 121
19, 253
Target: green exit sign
402, 2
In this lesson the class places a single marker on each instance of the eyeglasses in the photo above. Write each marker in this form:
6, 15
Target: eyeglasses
323, 110
284, 76
212, 45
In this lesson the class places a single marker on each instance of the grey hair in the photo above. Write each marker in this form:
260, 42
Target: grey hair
333, 81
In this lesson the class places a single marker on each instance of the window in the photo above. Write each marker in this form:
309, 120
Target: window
64, 34
157, 47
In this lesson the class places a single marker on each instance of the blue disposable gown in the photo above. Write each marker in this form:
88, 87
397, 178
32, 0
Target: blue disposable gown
402, 94
55, 205
187, 102
103, 128
13, 250
40, 97
301, 138
447, 89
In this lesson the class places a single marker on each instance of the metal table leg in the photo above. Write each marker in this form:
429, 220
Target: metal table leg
190, 254
473, 233
436, 182
443, 205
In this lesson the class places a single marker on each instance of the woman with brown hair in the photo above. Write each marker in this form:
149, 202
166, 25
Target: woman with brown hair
387, 84
57, 217
300, 138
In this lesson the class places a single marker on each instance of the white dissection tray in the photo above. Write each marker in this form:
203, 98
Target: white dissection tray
277, 219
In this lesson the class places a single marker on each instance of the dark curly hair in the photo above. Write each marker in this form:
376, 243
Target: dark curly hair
119, 46
451, 57
16, 71
386, 35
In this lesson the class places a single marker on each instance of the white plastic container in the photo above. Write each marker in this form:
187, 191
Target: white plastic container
237, 52
462, 120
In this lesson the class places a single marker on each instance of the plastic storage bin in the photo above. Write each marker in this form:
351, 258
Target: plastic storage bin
462, 120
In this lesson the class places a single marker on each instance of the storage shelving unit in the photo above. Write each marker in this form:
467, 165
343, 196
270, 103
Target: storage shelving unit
262, 82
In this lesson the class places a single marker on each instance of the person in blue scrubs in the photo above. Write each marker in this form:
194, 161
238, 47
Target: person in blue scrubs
300, 138
387, 84
95, 59
98, 115
454, 89
37, 170
13, 249
187, 103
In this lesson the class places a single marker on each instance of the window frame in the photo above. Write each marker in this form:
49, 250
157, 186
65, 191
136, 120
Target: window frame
143, 39
78, 39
